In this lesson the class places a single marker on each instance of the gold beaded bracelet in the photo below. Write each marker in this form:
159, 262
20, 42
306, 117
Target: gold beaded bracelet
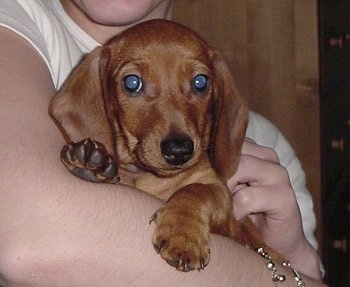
297, 277
279, 278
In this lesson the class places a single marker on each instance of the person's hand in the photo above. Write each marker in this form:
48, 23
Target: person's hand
262, 190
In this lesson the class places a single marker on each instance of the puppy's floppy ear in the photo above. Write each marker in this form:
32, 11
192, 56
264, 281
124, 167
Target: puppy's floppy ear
230, 115
78, 108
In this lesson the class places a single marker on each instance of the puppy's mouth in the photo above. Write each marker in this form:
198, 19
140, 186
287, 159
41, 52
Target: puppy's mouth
171, 155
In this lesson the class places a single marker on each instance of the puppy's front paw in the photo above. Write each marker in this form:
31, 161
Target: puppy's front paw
90, 161
182, 241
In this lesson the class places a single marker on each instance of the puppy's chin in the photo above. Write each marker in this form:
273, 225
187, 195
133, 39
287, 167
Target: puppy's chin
158, 165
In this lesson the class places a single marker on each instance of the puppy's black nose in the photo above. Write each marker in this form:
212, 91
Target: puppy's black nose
177, 150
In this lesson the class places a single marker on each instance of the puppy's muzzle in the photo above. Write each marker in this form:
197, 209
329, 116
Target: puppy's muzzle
177, 149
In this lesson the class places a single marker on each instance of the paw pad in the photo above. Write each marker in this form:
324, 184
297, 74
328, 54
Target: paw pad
90, 161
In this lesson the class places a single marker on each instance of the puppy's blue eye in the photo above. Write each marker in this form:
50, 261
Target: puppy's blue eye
200, 83
132, 83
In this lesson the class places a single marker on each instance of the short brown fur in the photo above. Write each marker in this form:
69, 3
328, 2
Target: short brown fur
94, 103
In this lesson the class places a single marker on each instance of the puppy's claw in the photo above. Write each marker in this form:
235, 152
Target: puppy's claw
203, 264
185, 266
180, 263
153, 218
173, 262
161, 246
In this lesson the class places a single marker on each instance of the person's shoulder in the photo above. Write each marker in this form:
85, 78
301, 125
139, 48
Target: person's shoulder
24, 10
51, 32
31, 19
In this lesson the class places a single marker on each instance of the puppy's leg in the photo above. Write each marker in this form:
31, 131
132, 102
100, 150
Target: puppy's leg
90, 161
184, 224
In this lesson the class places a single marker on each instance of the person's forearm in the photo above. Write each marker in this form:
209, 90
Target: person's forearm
138, 265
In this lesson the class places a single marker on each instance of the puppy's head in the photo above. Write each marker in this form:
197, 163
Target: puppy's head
166, 98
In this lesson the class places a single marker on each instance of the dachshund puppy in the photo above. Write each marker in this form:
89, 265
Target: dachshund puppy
156, 108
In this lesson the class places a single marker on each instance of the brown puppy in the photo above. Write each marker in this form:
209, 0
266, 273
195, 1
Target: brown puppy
156, 107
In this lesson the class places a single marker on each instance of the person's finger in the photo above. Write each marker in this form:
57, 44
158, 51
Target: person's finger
256, 171
251, 148
273, 201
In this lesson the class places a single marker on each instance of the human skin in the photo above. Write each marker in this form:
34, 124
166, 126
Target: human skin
57, 230
104, 19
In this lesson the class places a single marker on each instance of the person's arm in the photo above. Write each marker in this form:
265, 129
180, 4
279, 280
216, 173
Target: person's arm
57, 230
